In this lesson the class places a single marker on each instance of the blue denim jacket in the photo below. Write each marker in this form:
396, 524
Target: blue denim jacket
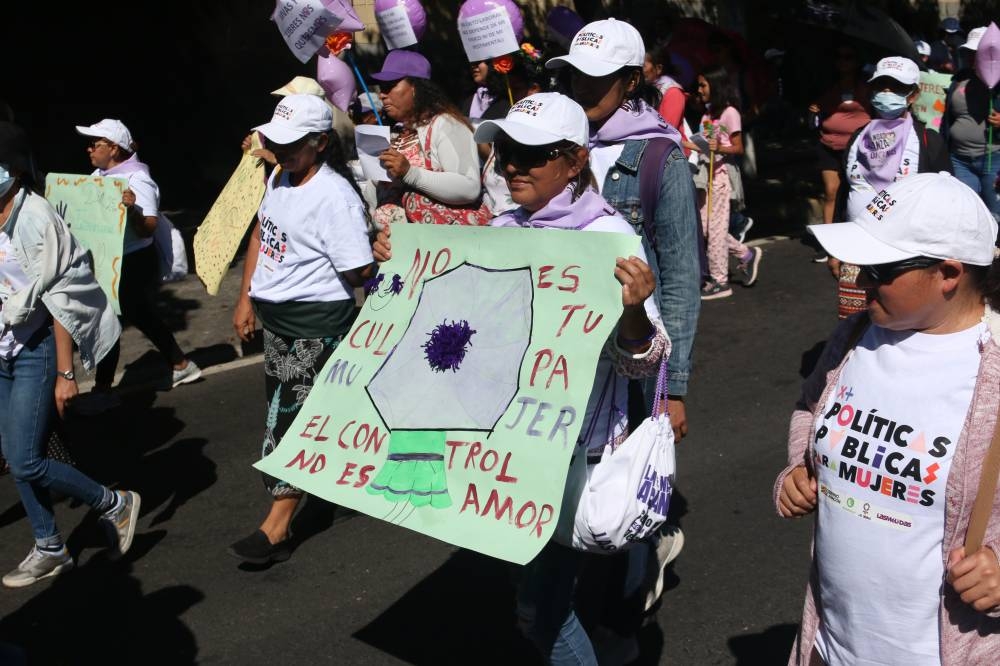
60, 279
674, 258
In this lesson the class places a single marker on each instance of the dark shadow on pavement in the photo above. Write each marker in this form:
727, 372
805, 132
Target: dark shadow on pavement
772, 646
151, 370
810, 358
99, 613
466, 607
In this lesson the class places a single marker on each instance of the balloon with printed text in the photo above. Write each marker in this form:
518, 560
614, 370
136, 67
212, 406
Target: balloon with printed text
472, 8
401, 22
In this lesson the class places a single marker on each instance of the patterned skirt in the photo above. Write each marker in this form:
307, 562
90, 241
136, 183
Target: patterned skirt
850, 299
291, 366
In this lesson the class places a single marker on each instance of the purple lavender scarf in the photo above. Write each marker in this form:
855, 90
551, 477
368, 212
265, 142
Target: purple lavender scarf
481, 100
561, 212
881, 150
633, 121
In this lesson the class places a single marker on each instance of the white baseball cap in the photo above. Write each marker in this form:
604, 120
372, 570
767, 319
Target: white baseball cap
903, 70
603, 47
295, 116
110, 129
923, 48
538, 120
924, 215
973, 39
300, 85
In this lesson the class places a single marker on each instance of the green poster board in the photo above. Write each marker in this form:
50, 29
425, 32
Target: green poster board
453, 405
93, 210
929, 105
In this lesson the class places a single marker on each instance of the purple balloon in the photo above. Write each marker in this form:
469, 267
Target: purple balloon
344, 10
414, 11
336, 79
471, 8
564, 24
988, 56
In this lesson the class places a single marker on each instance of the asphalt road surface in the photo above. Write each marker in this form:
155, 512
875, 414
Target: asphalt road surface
360, 591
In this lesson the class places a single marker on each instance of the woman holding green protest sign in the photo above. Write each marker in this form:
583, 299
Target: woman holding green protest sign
50, 300
541, 151
112, 153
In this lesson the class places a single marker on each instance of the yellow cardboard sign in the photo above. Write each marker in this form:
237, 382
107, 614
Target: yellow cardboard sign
218, 237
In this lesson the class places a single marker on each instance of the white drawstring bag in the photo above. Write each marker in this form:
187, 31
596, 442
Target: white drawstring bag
615, 502
170, 248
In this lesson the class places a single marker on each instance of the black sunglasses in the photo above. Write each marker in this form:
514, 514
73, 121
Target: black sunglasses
886, 273
526, 157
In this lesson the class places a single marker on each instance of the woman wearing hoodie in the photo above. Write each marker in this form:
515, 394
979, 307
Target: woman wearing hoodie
541, 150
641, 170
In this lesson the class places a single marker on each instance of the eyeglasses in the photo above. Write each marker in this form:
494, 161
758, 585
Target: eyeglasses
97, 143
886, 273
526, 157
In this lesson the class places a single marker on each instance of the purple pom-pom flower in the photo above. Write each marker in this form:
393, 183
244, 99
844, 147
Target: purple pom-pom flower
447, 345
397, 284
372, 284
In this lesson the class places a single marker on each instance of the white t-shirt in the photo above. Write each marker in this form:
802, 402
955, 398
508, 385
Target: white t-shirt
147, 198
14, 278
309, 235
884, 445
602, 158
861, 191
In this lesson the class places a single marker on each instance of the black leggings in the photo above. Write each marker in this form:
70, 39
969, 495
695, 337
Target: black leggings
140, 279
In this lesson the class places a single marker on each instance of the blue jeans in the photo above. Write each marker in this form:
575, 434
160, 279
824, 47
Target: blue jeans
27, 406
545, 607
972, 171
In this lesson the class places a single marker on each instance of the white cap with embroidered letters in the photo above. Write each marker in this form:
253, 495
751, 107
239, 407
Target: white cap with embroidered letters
903, 70
975, 36
296, 116
538, 120
110, 129
603, 47
924, 215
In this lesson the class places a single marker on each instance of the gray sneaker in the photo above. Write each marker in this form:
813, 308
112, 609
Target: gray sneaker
189, 373
748, 269
120, 524
38, 565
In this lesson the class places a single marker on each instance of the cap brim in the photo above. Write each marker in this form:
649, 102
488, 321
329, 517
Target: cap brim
283, 91
487, 131
849, 242
280, 134
90, 131
587, 65
887, 75
388, 76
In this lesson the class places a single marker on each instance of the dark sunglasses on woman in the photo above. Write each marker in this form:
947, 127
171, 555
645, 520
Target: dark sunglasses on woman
886, 273
524, 156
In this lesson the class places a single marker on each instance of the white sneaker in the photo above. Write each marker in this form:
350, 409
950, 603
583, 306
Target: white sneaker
669, 547
189, 373
746, 228
38, 565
